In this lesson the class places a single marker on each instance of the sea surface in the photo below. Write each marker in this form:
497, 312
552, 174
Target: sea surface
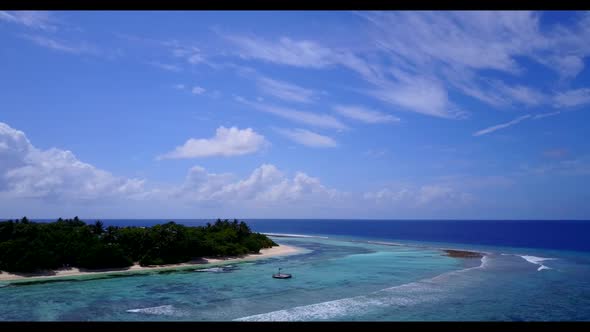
347, 270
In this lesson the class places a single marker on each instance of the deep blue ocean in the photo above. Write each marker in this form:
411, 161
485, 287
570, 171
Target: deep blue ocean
555, 234
344, 270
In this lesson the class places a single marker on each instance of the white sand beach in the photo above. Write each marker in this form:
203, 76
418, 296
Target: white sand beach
136, 268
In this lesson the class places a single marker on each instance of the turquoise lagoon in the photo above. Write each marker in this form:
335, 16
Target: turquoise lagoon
334, 279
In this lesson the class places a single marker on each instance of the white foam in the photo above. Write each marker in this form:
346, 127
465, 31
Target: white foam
212, 269
167, 310
427, 290
537, 261
295, 235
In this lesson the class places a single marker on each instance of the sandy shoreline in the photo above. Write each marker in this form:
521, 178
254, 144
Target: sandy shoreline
74, 272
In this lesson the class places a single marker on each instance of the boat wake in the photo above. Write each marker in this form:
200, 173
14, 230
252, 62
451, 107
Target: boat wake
427, 290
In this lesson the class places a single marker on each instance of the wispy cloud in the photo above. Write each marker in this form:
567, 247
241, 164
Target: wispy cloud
518, 94
305, 54
41, 20
410, 92
64, 46
285, 91
308, 138
227, 142
364, 115
544, 115
179, 86
190, 54
197, 90
458, 46
417, 57
309, 118
572, 98
501, 126
165, 66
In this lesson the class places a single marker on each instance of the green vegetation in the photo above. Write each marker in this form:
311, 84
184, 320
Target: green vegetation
27, 246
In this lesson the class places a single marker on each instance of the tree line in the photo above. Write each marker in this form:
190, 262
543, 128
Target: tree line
27, 246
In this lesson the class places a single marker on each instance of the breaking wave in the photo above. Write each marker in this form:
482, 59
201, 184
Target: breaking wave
537, 261
295, 235
166, 310
427, 290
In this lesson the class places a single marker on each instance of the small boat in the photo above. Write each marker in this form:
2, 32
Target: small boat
281, 275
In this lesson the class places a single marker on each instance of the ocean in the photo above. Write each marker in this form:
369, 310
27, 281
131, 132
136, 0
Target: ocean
348, 270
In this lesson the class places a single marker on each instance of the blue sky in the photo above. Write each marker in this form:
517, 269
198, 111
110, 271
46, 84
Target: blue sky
399, 115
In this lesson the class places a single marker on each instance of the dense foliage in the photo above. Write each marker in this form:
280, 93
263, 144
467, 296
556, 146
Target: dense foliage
27, 246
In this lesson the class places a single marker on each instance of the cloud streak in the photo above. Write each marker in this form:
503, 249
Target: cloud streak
308, 138
41, 20
365, 115
501, 126
63, 46
285, 91
309, 118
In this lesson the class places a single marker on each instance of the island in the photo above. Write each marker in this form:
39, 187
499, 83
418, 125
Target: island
462, 253
36, 248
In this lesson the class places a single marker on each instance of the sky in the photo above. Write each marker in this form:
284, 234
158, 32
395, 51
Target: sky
343, 114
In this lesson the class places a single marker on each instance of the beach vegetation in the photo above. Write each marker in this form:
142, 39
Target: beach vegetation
27, 246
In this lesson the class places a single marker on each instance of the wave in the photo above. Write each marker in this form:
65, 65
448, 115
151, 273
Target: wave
166, 310
537, 261
295, 235
427, 290
212, 269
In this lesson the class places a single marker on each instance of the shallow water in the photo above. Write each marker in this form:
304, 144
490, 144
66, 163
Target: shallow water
332, 280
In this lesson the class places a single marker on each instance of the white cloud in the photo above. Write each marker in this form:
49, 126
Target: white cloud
197, 90
501, 126
572, 98
265, 185
313, 119
54, 174
227, 142
306, 54
285, 91
31, 19
519, 93
63, 46
365, 115
417, 94
179, 86
308, 138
